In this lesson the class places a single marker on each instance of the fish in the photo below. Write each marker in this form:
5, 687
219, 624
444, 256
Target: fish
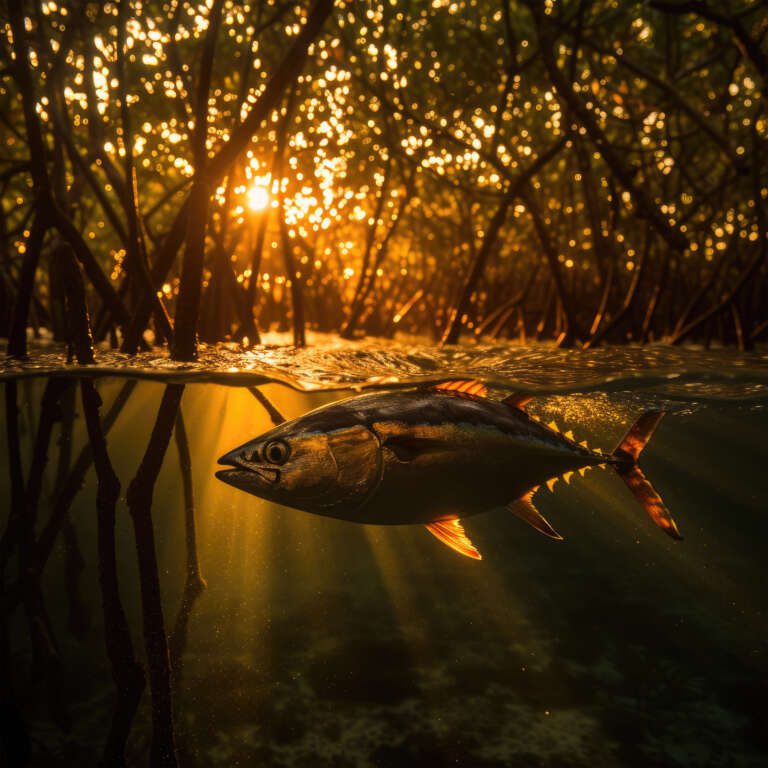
432, 456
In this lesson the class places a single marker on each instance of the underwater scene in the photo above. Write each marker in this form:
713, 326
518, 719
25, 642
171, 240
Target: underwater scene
153, 612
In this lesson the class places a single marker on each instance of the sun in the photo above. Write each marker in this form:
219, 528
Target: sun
258, 198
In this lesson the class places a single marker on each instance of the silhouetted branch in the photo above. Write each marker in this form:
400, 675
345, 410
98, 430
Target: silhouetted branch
74, 482
127, 673
14, 738
274, 414
10, 539
139, 497
456, 319
755, 263
76, 310
601, 332
646, 208
48, 212
567, 336
347, 330
44, 646
194, 584
17, 335
188, 307
74, 562
749, 46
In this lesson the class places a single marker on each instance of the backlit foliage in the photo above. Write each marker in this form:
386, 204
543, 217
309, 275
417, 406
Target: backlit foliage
408, 128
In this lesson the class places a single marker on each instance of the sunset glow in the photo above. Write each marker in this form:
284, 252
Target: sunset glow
520, 171
258, 198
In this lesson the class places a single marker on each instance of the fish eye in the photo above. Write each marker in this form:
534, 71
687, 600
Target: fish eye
277, 451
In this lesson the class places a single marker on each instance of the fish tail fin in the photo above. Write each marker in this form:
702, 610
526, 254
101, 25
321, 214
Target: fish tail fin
626, 454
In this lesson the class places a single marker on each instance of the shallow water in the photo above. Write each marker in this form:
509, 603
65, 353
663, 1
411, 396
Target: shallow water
328, 363
324, 643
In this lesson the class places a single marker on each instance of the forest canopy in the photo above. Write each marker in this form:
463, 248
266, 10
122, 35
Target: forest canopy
584, 171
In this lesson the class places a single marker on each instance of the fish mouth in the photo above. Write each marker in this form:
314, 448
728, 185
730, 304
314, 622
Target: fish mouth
235, 477
243, 472
249, 479
232, 458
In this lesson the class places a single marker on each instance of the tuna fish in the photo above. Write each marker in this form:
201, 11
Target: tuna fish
429, 456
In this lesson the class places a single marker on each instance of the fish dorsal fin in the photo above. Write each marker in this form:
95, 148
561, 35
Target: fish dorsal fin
451, 532
465, 386
525, 510
518, 400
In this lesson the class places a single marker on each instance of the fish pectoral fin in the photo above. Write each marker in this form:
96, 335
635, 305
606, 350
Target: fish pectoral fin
407, 447
525, 510
518, 400
451, 532
463, 386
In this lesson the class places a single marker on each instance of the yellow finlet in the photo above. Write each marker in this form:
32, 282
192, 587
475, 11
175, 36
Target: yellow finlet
583, 444
569, 434
551, 484
567, 477
465, 386
583, 471
553, 426
451, 532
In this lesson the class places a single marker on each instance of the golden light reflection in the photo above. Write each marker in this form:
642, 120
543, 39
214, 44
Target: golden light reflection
237, 536
397, 579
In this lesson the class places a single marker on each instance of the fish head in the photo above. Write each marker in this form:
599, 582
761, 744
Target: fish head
302, 464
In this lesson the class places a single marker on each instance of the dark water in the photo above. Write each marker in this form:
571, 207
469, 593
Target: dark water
323, 643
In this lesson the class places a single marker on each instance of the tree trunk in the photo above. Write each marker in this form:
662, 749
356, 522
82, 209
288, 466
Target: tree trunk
188, 306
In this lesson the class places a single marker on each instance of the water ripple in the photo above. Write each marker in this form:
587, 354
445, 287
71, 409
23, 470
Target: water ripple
684, 373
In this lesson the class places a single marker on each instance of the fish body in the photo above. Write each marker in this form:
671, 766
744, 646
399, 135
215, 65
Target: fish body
424, 456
